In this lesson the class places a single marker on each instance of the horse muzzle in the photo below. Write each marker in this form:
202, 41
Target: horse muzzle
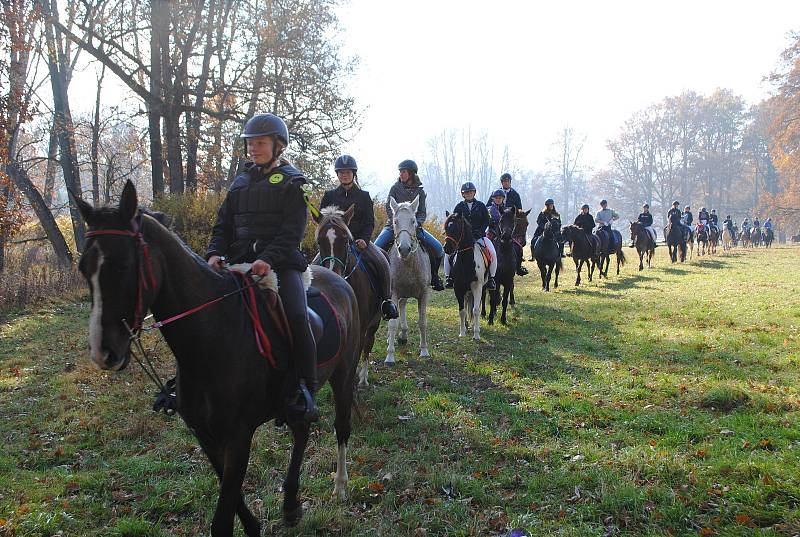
109, 360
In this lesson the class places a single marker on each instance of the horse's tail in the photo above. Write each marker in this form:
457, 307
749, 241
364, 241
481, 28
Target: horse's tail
621, 256
560, 263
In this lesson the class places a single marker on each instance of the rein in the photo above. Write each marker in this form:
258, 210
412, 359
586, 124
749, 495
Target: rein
457, 242
413, 238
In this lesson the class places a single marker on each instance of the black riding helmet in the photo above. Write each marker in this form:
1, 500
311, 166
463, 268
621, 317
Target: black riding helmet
549, 201
266, 125
676, 203
467, 187
585, 206
409, 165
346, 162
505, 176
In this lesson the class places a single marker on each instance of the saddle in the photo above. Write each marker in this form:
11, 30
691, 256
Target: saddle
487, 255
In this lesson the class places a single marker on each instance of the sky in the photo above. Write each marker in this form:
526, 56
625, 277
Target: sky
521, 70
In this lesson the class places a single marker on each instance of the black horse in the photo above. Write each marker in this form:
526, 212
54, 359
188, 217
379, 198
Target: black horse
228, 382
769, 237
547, 253
610, 243
701, 233
583, 248
645, 245
504, 245
676, 241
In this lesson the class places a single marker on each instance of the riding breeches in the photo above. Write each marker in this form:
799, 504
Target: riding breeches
434, 247
293, 295
652, 231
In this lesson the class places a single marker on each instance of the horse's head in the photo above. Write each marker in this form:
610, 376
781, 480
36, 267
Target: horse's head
521, 223
457, 232
122, 281
334, 239
634, 228
404, 223
508, 224
552, 228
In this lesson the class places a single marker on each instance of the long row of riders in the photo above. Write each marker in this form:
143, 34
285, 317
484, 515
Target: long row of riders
255, 330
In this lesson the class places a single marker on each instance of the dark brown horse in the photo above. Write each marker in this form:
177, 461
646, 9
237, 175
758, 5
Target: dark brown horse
583, 249
611, 243
506, 265
337, 251
226, 385
519, 237
676, 241
645, 246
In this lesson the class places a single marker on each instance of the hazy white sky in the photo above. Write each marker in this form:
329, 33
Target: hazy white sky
522, 69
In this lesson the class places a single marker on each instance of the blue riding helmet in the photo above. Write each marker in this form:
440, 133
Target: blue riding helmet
499, 192
408, 164
505, 176
549, 201
266, 125
345, 162
467, 187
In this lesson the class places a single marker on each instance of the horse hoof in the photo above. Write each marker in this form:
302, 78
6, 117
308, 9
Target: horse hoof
339, 493
389, 360
424, 353
490, 322
291, 518
503, 322
476, 339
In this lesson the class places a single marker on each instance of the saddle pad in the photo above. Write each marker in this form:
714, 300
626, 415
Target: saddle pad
487, 255
330, 345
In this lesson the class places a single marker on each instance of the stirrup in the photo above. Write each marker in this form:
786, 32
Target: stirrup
448, 283
491, 285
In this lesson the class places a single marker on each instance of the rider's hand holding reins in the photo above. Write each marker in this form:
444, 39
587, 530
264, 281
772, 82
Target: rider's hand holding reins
361, 244
260, 268
216, 262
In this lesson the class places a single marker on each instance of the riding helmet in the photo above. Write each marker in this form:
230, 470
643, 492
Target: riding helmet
549, 201
408, 164
467, 187
645, 206
266, 125
676, 203
585, 206
505, 176
499, 192
346, 162
702, 208
603, 202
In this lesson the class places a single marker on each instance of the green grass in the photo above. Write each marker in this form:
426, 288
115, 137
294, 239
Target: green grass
656, 403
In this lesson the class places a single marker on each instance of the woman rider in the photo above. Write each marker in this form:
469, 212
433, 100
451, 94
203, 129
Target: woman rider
549, 212
361, 225
496, 209
262, 221
646, 220
408, 187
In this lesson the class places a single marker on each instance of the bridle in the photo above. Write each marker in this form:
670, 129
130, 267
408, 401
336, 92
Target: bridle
457, 242
350, 251
412, 237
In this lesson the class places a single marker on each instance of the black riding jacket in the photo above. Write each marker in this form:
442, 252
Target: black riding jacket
688, 218
585, 222
728, 224
363, 222
714, 219
263, 217
542, 219
478, 217
646, 219
674, 216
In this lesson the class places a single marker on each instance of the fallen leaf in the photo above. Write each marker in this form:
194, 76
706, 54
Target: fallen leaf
375, 486
706, 531
743, 519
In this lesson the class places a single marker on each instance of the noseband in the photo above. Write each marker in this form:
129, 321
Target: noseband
414, 241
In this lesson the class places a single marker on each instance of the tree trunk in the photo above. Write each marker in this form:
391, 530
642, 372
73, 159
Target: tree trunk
52, 164
48, 222
96, 141
154, 109
63, 115
171, 113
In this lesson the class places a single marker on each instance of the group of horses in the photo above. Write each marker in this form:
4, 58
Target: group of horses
230, 381
681, 240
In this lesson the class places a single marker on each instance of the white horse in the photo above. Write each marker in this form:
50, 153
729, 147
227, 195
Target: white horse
411, 276
727, 239
468, 272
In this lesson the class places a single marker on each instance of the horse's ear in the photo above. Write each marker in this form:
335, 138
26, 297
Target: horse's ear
348, 214
415, 204
528, 211
393, 204
128, 202
86, 210
447, 214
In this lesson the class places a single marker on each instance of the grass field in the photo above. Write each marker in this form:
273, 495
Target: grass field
657, 403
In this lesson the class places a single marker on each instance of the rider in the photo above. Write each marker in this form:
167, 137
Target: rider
687, 218
674, 216
746, 226
511, 195
262, 221
408, 187
585, 221
478, 216
548, 213
768, 224
604, 218
646, 220
756, 223
361, 225
713, 219
728, 223
496, 208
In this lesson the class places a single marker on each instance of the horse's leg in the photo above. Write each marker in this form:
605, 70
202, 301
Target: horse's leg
494, 298
422, 308
578, 267
292, 510
391, 331
402, 339
462, 316
476, 306
543, 272
252, 527
549, 275
641, 258
483, 302
558, 264
511, 298
619, 260
235, 456
342, 385
507, 290
369, 342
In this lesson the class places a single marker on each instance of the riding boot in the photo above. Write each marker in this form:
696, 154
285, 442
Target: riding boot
491, 285
436, 281
388, 310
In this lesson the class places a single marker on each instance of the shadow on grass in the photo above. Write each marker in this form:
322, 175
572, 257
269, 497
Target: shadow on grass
674, 270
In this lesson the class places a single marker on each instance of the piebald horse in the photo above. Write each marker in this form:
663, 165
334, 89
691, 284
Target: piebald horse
468, 271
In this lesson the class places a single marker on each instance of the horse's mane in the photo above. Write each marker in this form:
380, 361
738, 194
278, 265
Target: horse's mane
334, 215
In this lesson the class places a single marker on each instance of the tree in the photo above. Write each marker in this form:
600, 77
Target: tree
568, 147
